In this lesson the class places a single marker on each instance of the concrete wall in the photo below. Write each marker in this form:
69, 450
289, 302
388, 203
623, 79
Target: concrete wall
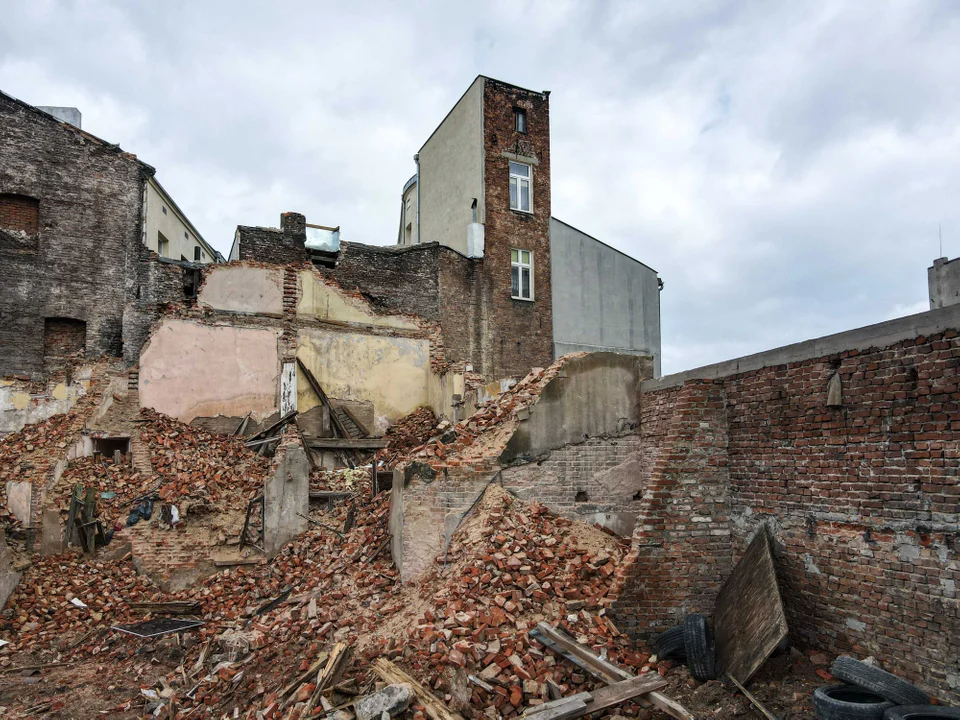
594, 395
943, 281
603, 300
174, 226
451, 173
189, 369
244, 289
286, 495
389, 371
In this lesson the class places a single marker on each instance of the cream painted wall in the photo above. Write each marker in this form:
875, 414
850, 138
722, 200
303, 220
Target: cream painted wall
325, 302
451, 173
239, 288
173, 226
188, 370
390, 372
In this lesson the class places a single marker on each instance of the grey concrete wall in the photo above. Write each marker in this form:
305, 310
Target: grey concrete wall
9, 578
451, 173
286, 498
872, 336
943, 281
593, 396
603, 300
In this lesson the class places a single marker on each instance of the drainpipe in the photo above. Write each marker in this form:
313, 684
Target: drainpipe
416, 159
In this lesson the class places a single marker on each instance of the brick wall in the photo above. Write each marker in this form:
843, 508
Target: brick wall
85, 239
596, 481
681, 545
270, 245
19, 213
862, 499
64, 340
517, 334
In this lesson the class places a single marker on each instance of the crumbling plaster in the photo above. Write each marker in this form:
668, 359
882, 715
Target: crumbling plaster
244, 289
189, 369
19, 406
324, 302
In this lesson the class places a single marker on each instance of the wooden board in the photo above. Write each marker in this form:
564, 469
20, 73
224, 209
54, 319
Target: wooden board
749, 621
435, 707
346, 443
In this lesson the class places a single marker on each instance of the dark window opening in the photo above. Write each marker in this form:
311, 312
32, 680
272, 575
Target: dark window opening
196, 254
20, 213
64, 339
111, 445
191, 283
581, 496
520, 120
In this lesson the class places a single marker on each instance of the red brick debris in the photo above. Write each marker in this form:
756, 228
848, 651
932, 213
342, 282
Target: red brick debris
407, 433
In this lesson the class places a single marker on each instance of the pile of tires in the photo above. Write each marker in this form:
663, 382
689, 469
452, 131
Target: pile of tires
869, 693
690, 642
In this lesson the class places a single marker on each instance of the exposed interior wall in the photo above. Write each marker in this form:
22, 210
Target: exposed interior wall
21, 404
325, 302
603, 300
389, 371
191, 369
451, 173
860, 496
243, 289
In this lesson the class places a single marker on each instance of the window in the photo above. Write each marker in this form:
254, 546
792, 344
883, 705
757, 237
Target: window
163, 245
520, 120
164, 209
64, 340
20, 213
521, 274
196, 254
521, 196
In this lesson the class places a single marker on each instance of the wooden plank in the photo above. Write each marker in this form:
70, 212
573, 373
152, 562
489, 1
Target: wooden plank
606, 671
565, 709
243, 424
303, 677
534, 709
322, 396
749, 621
766, 713
360, 426
346, 443
435, 708
279, 423
168, 608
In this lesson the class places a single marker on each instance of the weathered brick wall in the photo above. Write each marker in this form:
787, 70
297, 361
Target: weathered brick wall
681, 545
862, 500
597, 481
393, 279
173, 558
517, 334
19, 213
76, 262
270, 245
462, 307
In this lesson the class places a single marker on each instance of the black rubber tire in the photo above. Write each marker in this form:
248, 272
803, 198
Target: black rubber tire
884, 684
921, 712
848, 702
701, 656
670, 644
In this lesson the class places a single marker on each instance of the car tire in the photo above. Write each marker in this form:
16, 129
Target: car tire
669, 644
921, 712
698, 640
848, 702
884, 684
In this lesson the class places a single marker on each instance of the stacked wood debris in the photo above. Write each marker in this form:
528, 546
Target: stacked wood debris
116, 486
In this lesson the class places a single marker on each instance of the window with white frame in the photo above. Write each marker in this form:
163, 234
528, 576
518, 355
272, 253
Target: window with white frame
521, 274
521, 192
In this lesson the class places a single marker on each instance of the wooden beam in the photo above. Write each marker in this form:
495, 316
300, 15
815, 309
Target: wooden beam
360, 426
346, 443
435, 708
575, 706
324, 400
279, 423
569, 648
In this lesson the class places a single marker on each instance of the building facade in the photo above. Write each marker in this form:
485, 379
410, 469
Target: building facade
482, 188
76, 280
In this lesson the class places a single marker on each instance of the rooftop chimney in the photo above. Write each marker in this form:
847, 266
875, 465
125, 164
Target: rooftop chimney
66, 114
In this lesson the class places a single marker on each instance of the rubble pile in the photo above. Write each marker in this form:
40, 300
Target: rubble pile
511, 566
192, 463
407, 433
43, 615
117, 485
342, 480
487, 431
30, 454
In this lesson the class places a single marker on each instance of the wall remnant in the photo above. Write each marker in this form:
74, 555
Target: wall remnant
286, 495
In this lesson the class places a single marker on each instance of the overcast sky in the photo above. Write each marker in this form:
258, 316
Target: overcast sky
784, 166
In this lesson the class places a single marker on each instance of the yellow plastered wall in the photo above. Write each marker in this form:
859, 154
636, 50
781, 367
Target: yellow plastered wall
324, 302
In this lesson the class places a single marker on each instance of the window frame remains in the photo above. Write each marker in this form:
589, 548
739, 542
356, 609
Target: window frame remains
520, 120
521, 268
517, 183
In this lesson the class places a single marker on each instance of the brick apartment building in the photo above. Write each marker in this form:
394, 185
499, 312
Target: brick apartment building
480, 253
78, 220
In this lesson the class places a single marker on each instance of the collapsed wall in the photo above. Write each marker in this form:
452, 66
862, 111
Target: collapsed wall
847, 449
564, 436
